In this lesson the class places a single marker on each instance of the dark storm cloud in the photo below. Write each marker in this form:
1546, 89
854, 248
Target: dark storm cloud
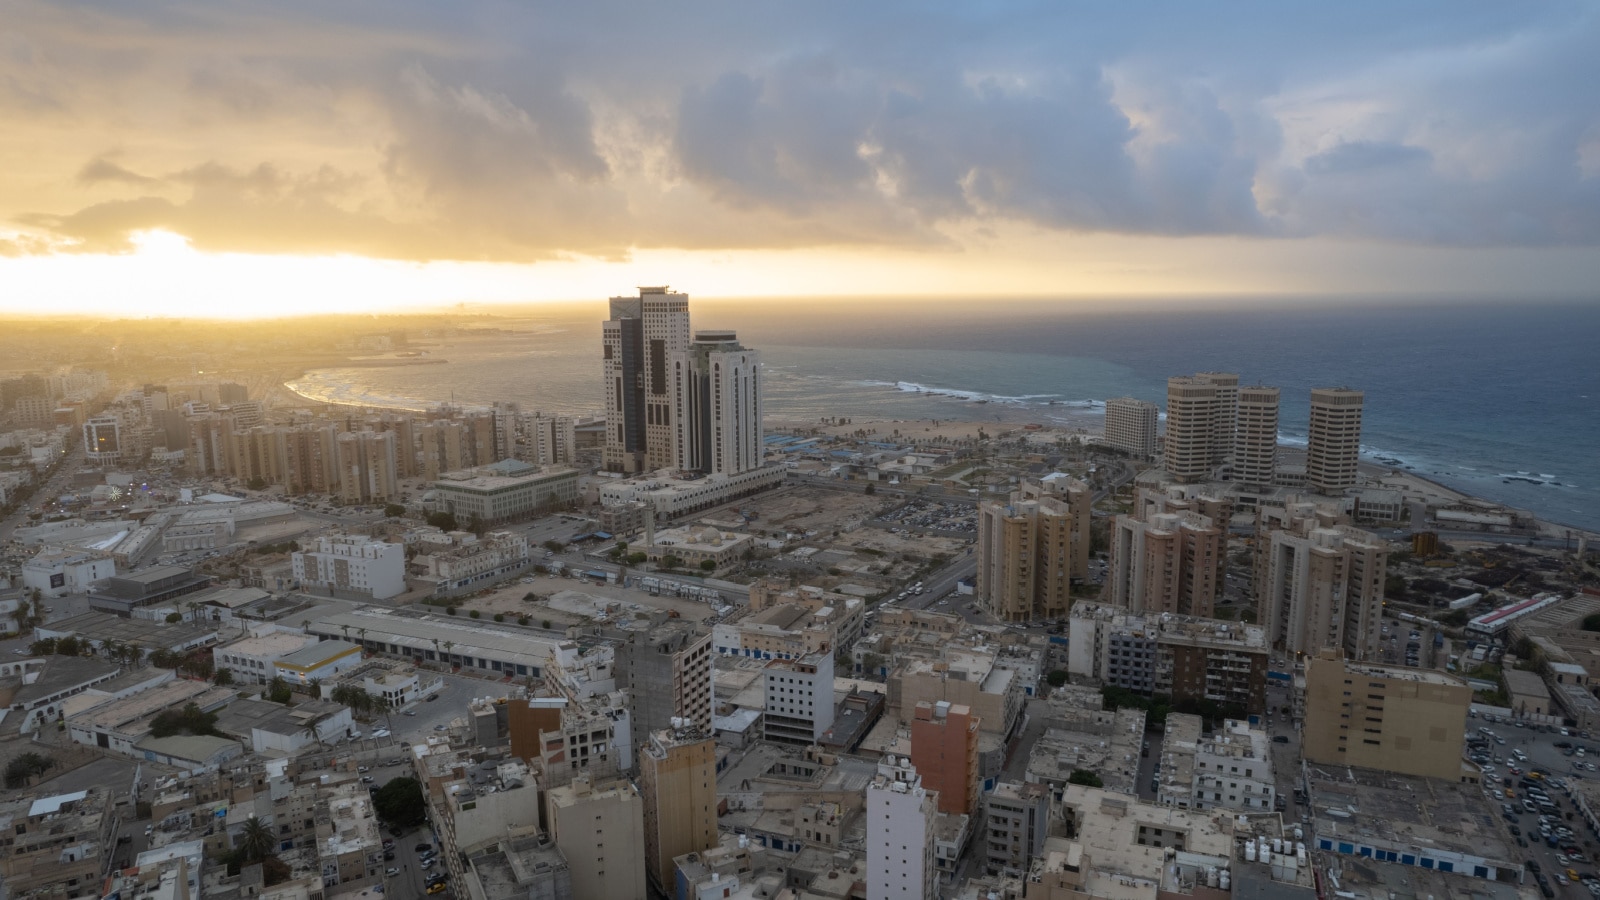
522, 132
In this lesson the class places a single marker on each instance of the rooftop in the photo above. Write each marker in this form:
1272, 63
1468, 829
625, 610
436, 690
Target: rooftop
1363, 804
316, 654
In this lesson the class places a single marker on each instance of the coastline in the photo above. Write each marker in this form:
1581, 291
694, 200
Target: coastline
1085, 423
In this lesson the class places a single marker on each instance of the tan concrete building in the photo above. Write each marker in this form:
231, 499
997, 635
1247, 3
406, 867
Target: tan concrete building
1318, 581
1131, 426
677, 776
1200, 414
640, 340
1333, 443
1031, 549
368, 467
1255, 435
1410, 721
944, 750
56, 844
600, 830
1167, 557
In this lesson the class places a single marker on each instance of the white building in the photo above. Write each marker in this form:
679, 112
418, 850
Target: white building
799, 698
549, 440
353, 563
901, 828
506, 491
673, 497
473, 561
253, 659
56, 573
716, 389
1233, 769
103, 440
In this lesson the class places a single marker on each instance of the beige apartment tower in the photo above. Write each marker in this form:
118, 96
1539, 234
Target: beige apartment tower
1255, 435
1168, 555
678, 778
1318, 581
1224, 408
599, 828
1333, 444
1409, 721
1032, 547
1131, 426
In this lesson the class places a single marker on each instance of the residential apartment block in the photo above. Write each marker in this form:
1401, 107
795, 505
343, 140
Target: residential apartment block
901, 828
1183, 657
1032, 548
1410, 721
1167, 555
944, 750
677, 776
1131, 426
1318, 581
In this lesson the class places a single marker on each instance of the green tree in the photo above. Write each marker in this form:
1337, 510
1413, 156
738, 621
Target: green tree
871, 489
189, 720
278, 691
1056, 678
25, 767
174, 618
223, 677
1085, 777
499, 617
394, 510
708, 565
475, 614
1591, 623
557, 546
399, 802
670, 561
257, 483
442, 521
449, 610
256, 840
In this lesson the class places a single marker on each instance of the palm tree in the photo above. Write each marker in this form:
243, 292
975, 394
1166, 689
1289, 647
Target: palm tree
256, 840
435, 648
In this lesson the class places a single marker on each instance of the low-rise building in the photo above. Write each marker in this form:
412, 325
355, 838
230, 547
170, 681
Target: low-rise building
56, 573
469, 563
1117, 846
353, 563
692, 547
57, 844
1016, 821
506, 491
253, 660
1229, 768
672, 497
316, 662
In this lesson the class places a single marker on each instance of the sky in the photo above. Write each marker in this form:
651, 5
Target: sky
238, 159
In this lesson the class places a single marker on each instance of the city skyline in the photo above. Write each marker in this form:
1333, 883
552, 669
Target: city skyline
299, 161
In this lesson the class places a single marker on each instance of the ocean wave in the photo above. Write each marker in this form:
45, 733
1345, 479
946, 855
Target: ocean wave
912, 387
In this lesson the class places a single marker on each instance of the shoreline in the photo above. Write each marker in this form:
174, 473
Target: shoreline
1092, 425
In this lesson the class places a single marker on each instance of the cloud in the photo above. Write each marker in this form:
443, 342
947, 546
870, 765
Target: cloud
540, 131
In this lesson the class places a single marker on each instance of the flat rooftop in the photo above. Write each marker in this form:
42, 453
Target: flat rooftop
146, 633
1356, 804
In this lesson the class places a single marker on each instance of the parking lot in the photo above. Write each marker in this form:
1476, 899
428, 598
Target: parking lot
933, 516
1543, 767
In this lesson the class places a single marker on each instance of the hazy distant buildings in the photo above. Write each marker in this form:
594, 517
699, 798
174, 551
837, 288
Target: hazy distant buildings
367, 467
1255, 435
1333, 444
1032, 547
1131, 426
1318, 581
716, 400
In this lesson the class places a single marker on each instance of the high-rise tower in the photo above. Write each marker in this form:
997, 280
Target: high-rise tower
716, 394
1255, 435
1334, 440
640, 340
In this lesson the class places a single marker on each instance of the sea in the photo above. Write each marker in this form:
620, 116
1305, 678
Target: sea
1499, 400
